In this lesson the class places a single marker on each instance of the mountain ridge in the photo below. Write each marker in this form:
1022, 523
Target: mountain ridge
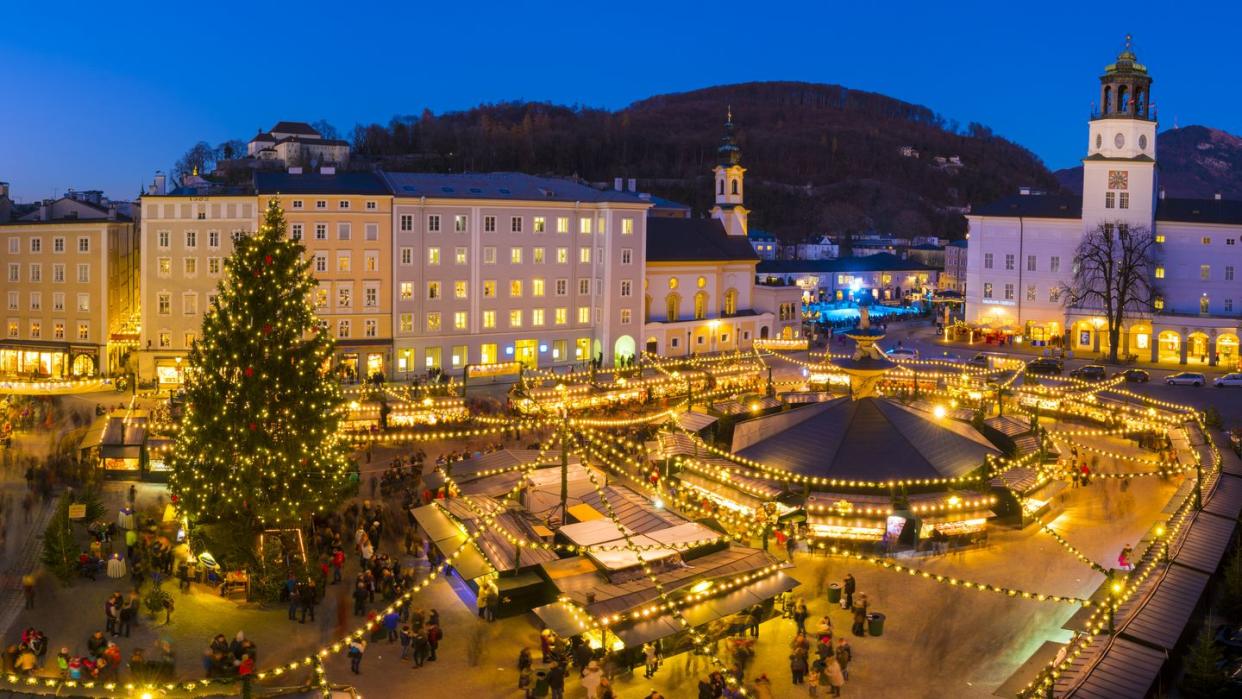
820, 158
1195, 162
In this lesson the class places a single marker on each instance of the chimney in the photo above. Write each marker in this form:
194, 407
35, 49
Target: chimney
295, 171
616, 184
112, 212
43, 212
327, 170
161, 182
1216, 196
632, 184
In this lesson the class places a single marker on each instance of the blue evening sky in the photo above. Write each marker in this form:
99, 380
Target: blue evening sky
98, 95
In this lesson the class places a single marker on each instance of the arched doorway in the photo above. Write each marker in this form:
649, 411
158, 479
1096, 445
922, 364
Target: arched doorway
1140, 340
1197, 348
623, 348
1227, 350
763, 333
83, 365
1170, 347
653, 346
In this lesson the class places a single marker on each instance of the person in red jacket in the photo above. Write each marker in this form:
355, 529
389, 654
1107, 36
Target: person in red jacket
338, 561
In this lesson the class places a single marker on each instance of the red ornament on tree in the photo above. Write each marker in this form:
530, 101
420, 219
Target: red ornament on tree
254, 426
267, 328
267, 259
249, 371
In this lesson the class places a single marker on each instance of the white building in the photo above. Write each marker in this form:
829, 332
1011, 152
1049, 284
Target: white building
299, 144
1021, 252
506, 267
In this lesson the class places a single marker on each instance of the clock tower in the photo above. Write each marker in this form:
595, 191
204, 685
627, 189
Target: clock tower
1119, 172
729, 184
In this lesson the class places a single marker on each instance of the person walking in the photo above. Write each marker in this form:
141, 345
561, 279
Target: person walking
434, 634
556, 680
652, 659
844, 655
860, 614
338, 561
28, 590
836, 678
360, 599
1123, 559
309, 597
357, 647
850, 585
406, 638
420, 647
797, 665
800, 615
295, 598
592, 676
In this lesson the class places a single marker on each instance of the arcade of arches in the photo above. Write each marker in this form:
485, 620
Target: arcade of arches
1160, 343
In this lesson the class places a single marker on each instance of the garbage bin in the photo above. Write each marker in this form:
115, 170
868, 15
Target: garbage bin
834, 593
541, 684
875, 624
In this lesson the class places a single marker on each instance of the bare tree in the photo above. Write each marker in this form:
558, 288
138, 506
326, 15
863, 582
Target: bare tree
200, 157
1114, 274
326, 129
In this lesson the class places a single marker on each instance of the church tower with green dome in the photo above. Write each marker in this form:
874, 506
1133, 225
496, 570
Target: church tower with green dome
730, 185
1119, 171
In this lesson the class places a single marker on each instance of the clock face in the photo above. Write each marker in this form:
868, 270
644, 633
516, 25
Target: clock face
1118, 179
1099, 141
1119, 141
1143, 142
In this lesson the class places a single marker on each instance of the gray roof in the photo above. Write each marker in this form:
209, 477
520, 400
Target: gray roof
300, 128
515, 186
873, 439
695, 240
1164, 614
881, 262
316, 183
662, 203
1199, 210
1034, 206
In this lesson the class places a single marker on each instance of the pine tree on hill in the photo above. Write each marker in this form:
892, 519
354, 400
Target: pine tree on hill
258, 442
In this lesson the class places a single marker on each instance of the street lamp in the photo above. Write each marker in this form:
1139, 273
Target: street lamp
562, 390
1114, 590
711, 327
1160, 532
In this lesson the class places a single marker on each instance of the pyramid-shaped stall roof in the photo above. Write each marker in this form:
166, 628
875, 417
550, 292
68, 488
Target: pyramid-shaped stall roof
873, 439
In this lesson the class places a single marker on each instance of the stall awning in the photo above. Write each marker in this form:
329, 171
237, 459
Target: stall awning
94, 435
557, 617
1226, 499
508, 584
435, 524
694, 422
109, 451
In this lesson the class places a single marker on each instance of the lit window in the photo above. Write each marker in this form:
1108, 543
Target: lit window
459, 320
489, 319
433, 256
537, 255
1205, 272
562, 256
515, 319
515, 288
1159, 237
1159, 272
536, 287
584, 314
540, 224
561, 316
459, 289
584, 255
459, 223
515, 255
536, 317
459, 256
433, 290
627, 226
406, 321
489, 288
562, 224
433, 321
407, 291
584, 226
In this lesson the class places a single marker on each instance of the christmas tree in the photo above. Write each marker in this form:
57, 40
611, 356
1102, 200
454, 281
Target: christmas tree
258, 442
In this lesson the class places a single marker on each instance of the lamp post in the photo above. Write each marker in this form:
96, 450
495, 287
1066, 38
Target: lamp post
564, 454
711, 327
1114, 589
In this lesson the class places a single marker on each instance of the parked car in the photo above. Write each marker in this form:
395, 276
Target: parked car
1228, 380
1091, 372
1186, 378
1046, 365
903, 353
1135, 375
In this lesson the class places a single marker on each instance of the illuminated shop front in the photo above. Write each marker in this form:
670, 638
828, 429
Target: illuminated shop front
121, 448
48, 360
170, 371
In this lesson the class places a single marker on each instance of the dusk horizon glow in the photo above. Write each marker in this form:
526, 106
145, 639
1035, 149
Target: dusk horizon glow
107, 98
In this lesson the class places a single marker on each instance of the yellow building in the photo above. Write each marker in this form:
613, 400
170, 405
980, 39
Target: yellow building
345, 221
700, 290
187, 234
70, 290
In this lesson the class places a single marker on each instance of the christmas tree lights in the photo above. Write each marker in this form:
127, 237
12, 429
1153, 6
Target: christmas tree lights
260, 439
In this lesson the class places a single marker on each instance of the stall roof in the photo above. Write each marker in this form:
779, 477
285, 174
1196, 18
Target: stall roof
687, 533
617, 597
755, 593
1126, 670
694, 422
1163, 616
1205, 543
1008, 425
1226, 499
594, 531
467, 471
633, 510
495, 539
559, 619
94, 436
613, 560
469, 564
434, 523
